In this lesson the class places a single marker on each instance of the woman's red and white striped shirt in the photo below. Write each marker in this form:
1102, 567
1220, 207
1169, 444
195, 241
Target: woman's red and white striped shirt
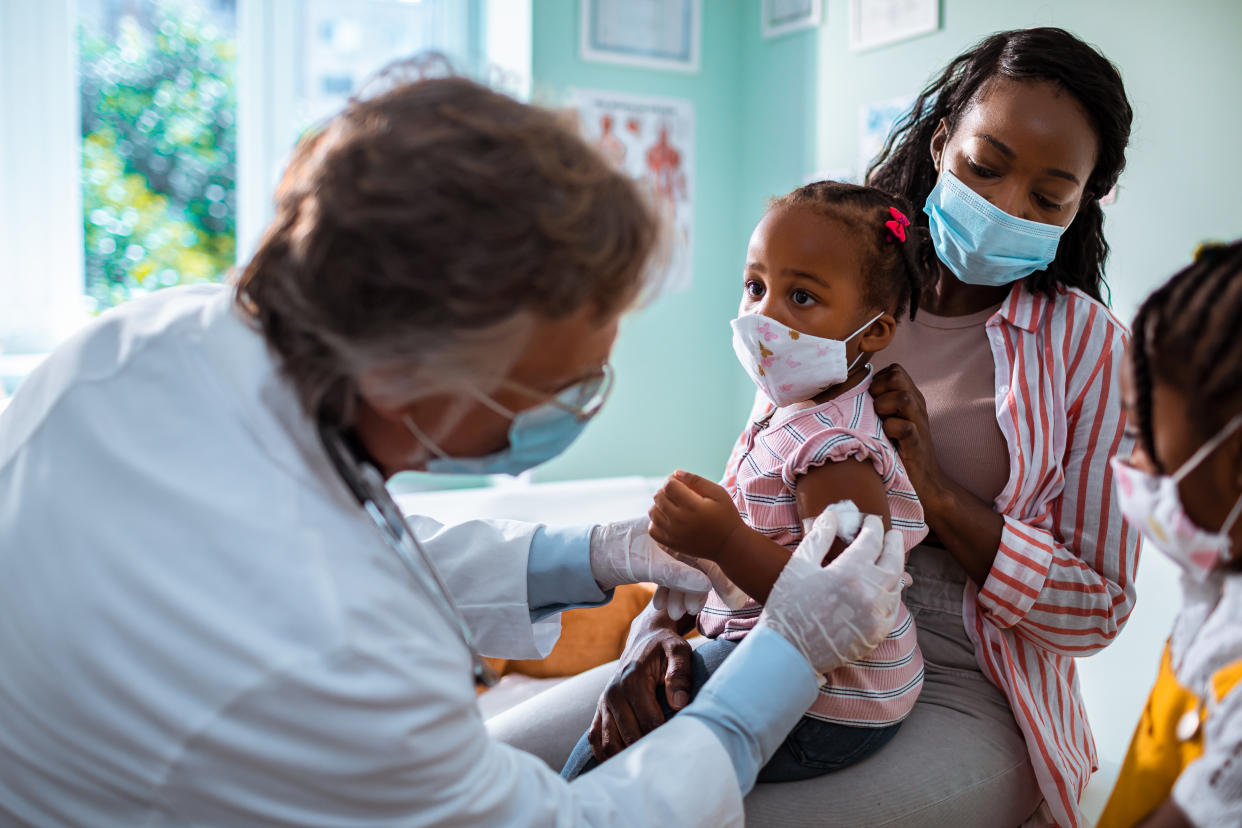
1062, 584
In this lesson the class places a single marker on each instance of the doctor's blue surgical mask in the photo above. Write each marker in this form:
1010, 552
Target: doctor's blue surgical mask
980, 242
536, 435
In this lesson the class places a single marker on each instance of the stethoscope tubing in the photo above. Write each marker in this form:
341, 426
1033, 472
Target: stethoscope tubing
366, 484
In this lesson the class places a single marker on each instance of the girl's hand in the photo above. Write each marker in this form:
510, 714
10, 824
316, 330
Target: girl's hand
693, 516
901, 406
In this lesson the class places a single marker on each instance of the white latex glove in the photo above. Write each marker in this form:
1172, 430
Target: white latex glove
678, 603
838, 613
623, 553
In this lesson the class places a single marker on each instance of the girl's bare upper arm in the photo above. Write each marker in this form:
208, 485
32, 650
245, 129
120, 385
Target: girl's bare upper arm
830, 483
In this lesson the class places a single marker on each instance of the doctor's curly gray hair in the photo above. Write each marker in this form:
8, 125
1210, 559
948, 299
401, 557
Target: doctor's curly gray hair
420, 233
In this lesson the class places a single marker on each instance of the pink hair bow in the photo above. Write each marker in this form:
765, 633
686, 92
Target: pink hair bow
897, 225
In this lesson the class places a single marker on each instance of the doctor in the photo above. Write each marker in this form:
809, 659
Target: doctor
213, 614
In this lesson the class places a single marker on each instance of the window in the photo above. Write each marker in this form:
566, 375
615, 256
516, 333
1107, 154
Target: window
152, 132
158, 92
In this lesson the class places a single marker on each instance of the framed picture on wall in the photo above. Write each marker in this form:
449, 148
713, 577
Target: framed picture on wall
881, 22
650, 139
654, 34
785, 16
875, 122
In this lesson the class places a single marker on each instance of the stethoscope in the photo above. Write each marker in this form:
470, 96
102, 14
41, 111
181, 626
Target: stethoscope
367, 486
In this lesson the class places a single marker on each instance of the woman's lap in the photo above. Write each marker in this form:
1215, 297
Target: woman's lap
949, 764
958, 759
549, 724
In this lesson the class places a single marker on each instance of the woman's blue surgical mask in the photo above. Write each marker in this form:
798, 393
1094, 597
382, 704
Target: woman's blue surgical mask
536, 435
980, 242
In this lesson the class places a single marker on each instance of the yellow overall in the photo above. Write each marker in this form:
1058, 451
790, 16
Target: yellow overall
1169, 736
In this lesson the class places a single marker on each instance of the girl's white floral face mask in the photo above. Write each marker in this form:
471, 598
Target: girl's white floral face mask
789, 366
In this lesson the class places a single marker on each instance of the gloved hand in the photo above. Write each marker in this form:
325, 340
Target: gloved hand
679, 602
838, 613
623, 553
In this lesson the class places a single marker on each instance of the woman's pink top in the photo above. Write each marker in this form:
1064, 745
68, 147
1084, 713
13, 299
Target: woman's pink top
763, 477
961, 401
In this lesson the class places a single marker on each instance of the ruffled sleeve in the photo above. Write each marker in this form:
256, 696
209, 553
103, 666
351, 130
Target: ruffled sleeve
834, 445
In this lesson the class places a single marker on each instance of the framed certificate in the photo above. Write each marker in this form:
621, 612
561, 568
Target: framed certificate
655, 34
785, 16
881, 22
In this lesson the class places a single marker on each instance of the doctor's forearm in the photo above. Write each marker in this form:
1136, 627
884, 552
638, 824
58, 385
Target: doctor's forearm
754, 700
968, 527
558, 572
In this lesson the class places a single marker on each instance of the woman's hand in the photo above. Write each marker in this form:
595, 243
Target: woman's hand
655, 656
965, 525
901, 406
693, 516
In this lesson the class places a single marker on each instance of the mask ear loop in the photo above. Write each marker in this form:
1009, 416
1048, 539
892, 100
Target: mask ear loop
1198, 457
1232, 517
422, 437
490, 403
1207, 448
864, 327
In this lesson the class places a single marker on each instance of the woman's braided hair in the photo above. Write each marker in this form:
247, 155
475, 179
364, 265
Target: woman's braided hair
1188, 335
895, 271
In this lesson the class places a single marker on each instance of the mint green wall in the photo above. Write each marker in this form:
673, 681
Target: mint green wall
780, 98
771, 113
679, 398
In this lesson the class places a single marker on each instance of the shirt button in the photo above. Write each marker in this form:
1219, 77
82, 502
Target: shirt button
1004, 389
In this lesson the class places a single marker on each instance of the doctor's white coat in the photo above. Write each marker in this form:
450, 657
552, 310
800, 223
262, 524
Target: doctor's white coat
198, 625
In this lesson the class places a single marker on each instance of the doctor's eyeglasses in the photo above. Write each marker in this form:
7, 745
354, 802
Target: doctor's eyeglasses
582, 399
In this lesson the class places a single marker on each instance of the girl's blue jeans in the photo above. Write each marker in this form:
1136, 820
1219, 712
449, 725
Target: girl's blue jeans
812, 748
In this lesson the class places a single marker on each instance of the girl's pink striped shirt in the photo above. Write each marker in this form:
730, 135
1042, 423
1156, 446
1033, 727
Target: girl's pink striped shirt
762, 477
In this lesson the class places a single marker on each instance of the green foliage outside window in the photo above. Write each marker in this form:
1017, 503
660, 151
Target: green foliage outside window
159, 152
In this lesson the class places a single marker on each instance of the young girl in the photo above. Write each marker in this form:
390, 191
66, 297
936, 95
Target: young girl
829, 269
1182, 488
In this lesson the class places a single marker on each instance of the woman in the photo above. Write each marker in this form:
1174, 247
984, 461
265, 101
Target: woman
213, 613
1004, 405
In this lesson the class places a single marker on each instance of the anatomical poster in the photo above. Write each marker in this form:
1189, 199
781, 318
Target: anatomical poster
652, 141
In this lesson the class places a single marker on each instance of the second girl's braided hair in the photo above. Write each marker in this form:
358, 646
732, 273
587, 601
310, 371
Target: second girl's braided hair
1186, 335
895, 271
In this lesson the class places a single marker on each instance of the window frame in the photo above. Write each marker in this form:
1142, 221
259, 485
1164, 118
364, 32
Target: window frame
40, 164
